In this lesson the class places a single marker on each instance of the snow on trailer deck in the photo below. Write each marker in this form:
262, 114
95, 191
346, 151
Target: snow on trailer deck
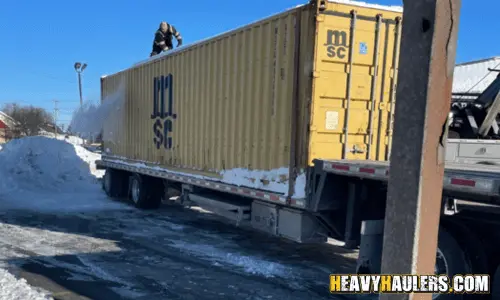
200, 181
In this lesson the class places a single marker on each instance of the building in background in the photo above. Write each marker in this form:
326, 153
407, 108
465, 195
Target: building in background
474, 77
8, 128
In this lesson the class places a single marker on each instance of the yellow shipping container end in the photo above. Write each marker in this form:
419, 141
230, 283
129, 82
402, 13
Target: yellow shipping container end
255, 106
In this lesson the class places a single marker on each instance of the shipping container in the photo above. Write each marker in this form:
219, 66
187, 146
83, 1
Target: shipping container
255, 106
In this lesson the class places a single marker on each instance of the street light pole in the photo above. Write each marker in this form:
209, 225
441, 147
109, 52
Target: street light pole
79, 67
80, 87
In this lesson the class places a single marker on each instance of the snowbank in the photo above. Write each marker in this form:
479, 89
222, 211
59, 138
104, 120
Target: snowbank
44, 163
46, 174
18, 289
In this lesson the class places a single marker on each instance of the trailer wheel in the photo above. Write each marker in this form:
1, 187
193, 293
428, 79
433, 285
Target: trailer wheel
450, 260
114, 183
146, 192
471, 244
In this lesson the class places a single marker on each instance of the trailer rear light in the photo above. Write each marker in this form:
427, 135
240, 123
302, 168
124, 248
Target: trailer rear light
485, 185
367, 170
340, 167
275, 198
463, 182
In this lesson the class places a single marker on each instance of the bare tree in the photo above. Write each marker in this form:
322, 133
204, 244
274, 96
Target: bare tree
30, 118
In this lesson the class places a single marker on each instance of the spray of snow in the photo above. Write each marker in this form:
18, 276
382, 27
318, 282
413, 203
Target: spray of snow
89, 119
18, 289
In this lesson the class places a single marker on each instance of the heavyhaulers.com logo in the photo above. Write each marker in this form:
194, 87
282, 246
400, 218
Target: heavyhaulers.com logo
436, 284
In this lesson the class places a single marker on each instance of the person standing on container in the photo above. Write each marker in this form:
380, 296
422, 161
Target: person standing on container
163, 38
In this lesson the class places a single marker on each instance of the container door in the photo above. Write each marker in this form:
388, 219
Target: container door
354, 82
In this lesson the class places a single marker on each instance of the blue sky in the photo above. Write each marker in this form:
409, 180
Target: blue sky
41, 40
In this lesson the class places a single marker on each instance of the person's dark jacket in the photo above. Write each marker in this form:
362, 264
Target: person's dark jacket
163, 40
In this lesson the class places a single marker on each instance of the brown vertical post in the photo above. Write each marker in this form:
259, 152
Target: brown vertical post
423, 97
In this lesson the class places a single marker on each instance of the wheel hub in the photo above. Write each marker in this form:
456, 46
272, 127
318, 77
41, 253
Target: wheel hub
440, 268
135, 190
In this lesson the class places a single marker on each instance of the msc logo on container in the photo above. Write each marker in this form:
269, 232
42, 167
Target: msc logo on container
163, 111
336, 43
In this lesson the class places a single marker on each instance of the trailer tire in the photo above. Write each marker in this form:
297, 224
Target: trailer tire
450, 260
146, 192
471, 244
114, 183
495, 285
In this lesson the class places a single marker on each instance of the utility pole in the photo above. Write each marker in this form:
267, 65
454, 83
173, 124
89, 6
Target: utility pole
414, 195
79, 67
56, 111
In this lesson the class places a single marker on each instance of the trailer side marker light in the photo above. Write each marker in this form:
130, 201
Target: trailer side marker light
367, 170
464, 182
340, 167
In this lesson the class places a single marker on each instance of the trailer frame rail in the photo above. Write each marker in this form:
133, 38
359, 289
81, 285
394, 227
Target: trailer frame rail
473, 179
204, 183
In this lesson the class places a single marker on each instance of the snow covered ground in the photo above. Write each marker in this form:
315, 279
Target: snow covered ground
56, 222
18, 289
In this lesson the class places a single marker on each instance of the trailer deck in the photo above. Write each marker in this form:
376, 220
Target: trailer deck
479, 182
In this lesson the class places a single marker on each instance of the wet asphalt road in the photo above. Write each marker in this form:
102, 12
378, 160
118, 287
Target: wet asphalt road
171, 253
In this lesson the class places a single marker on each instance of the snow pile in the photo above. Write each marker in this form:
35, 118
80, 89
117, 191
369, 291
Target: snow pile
34, 163
18, 289
46, 174
89, 119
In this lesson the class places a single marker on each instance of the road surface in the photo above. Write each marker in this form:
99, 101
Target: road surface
172, 253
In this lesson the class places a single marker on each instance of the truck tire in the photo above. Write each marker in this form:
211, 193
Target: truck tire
471, 244
146, 192
114, 183
495, 285
450, 260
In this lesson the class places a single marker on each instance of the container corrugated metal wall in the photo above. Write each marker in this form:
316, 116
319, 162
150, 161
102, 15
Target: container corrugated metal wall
353, 86
245, 106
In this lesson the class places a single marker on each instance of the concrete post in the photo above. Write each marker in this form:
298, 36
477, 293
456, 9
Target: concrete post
423, 97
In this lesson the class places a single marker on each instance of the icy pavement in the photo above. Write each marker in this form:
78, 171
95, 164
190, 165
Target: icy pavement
62, 234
